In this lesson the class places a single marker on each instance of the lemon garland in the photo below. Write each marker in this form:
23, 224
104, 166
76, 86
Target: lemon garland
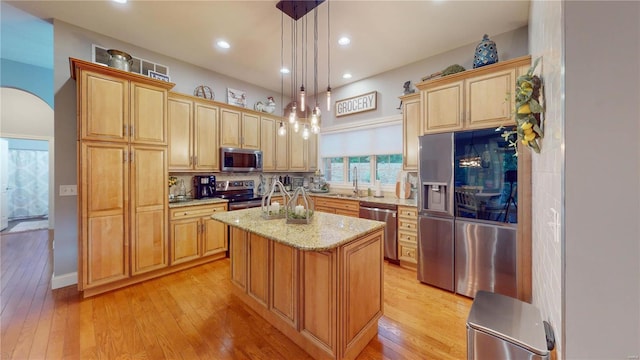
527, 111
172, 180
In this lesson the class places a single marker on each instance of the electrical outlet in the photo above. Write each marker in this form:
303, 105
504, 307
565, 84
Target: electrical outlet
68, 190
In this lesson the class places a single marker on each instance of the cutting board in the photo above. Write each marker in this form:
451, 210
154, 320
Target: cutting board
407, 189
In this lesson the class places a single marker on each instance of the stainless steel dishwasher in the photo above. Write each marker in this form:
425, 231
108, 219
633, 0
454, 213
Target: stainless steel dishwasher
388, 214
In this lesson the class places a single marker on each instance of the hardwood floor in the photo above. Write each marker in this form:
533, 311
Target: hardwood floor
192, 315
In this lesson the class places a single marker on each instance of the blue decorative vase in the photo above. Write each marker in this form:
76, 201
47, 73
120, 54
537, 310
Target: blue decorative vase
486, 53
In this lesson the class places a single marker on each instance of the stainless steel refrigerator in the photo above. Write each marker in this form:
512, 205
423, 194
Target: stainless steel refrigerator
466, 211
435, 211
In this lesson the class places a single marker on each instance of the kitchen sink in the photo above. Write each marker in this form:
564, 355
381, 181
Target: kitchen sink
346, 196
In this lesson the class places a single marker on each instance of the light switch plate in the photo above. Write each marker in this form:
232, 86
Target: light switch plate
68, 190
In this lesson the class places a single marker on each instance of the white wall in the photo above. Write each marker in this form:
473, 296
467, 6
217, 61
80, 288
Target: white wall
602, 187
545, 42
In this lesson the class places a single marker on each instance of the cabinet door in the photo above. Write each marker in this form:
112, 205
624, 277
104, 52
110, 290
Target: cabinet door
284, 282
258, 286
297, 153
485, 99
104, 107
230, 128
215, 236
312, 152
207, 152
250, 131
184, 240
282, 151
148, 124
148, 194
410, 132
238, 241
443, 107
104, 187
180, 133
268, 142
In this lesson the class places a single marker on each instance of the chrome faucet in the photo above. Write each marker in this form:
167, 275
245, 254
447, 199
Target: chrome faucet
355, 181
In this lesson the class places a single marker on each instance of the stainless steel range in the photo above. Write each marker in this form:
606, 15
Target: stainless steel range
239, 193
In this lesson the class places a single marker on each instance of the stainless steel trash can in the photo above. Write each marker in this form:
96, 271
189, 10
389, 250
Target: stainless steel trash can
503, 328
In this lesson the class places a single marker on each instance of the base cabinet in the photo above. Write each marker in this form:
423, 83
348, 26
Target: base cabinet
408, 236
328, 302
337, 206
194, 234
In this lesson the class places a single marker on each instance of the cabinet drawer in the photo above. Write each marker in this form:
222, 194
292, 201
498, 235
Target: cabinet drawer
194, 211
408, 212
407, 252
406, 224
408, 236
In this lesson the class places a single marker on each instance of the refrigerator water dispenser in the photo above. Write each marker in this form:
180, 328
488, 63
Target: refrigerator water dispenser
435, 196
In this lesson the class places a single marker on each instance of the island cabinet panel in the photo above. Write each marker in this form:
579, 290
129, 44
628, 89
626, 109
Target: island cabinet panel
318, 319
362, 276
239, 252
258, 286
284, 281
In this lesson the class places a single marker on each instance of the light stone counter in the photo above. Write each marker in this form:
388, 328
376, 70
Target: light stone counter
325, 232
196, 202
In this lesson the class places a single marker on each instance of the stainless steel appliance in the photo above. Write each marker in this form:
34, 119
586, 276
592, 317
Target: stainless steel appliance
388, 214
467, 241
239, 193
501, 327
204, 186
241, 160
435, 211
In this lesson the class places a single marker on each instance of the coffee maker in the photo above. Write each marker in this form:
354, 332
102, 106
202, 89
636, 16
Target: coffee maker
204, 186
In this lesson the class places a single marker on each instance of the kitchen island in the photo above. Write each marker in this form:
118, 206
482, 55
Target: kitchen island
321, 284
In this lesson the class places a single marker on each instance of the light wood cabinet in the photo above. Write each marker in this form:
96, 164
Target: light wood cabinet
408, 236
193, 234
104, 224
193, 134
303, 154
122, 176
411, 129
117, 109
239, 129
337, 206
473, 99
268, 140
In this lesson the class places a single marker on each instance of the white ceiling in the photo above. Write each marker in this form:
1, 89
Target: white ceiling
385, 34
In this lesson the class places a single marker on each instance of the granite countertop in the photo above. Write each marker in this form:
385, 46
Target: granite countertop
326, 231
196, 202
391, 200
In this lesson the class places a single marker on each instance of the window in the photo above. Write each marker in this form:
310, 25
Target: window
385, 167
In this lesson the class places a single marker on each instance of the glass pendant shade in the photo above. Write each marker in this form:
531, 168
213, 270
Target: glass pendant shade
328, 99
296, 126
305, 133
302, 96
282, 131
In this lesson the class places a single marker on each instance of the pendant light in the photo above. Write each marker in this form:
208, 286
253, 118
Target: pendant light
282, 131
328, 55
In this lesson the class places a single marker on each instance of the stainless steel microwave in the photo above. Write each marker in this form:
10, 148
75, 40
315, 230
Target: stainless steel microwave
242, 160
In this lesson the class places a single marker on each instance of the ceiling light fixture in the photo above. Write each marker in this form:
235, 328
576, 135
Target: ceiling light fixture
344, 41
120, 1
296, 10
223, 44
346, 76
284, 70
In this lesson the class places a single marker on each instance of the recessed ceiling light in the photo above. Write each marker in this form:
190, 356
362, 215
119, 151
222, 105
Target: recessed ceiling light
223, 44
346, 76
284, 70
344, 41
120, 1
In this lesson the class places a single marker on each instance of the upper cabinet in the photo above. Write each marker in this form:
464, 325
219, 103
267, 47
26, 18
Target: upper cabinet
239, 129
117, 108
411, 127
472, 99
274, 147
193, 134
